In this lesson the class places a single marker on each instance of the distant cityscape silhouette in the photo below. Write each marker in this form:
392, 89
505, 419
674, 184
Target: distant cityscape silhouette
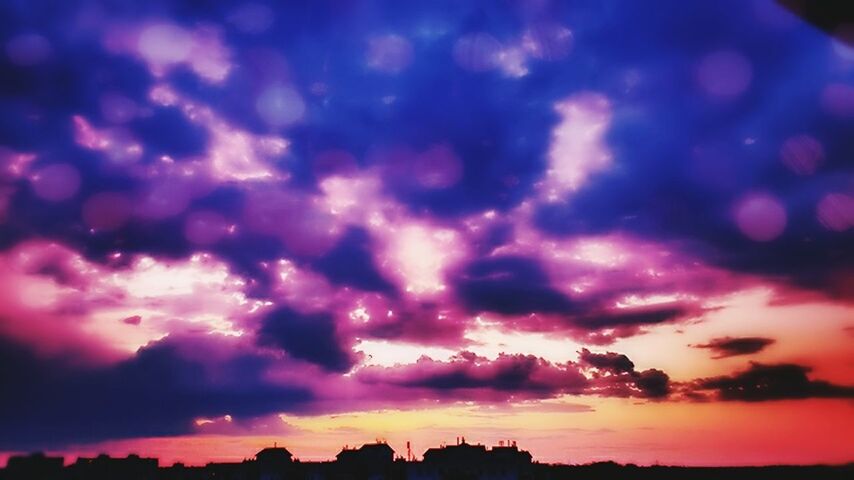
379, 461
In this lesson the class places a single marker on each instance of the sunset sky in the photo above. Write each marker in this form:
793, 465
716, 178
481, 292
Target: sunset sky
607, 230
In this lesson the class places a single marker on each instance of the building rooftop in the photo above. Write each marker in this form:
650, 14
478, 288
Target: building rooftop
273, 453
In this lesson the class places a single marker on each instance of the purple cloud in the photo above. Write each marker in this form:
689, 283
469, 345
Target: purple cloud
724, 347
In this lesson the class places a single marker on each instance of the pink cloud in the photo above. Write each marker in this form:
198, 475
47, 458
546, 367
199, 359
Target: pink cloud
419, 255
231, 426
301, 288
578, 150
58, 301
116, 143
233, 154
164, 45
416, 253
16, 165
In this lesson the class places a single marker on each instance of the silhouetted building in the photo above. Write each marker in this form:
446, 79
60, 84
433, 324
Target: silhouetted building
509, 456
452, 455
369, 454
34, 466
464, 460
274, 463
104, 467
371, 460
274, 456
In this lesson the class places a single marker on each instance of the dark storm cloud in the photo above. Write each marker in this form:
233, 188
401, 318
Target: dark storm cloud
765, 382
590, 323
731, 346
507, 375
616, 376
611, 361
351, 263
159, 391
633, 318
309, 337
653, 383
424, 324
470, 376
509, 285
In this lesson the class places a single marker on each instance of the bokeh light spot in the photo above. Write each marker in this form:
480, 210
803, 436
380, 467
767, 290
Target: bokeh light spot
724, 74
252, 18
760, 217
117, 108
389, 53
56, 182
280, 105
837, 99
548, 41
802, 154
477, 52
835, 211
106, 211
205, 227
438, 167
334, 162
164, 43
164, 200
28, 49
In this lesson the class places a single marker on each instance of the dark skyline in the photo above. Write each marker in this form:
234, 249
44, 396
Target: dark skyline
379, 461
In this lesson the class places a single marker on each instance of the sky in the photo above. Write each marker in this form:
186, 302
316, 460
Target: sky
606, 230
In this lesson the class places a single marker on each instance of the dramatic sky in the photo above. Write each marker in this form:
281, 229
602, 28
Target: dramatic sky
606, 229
